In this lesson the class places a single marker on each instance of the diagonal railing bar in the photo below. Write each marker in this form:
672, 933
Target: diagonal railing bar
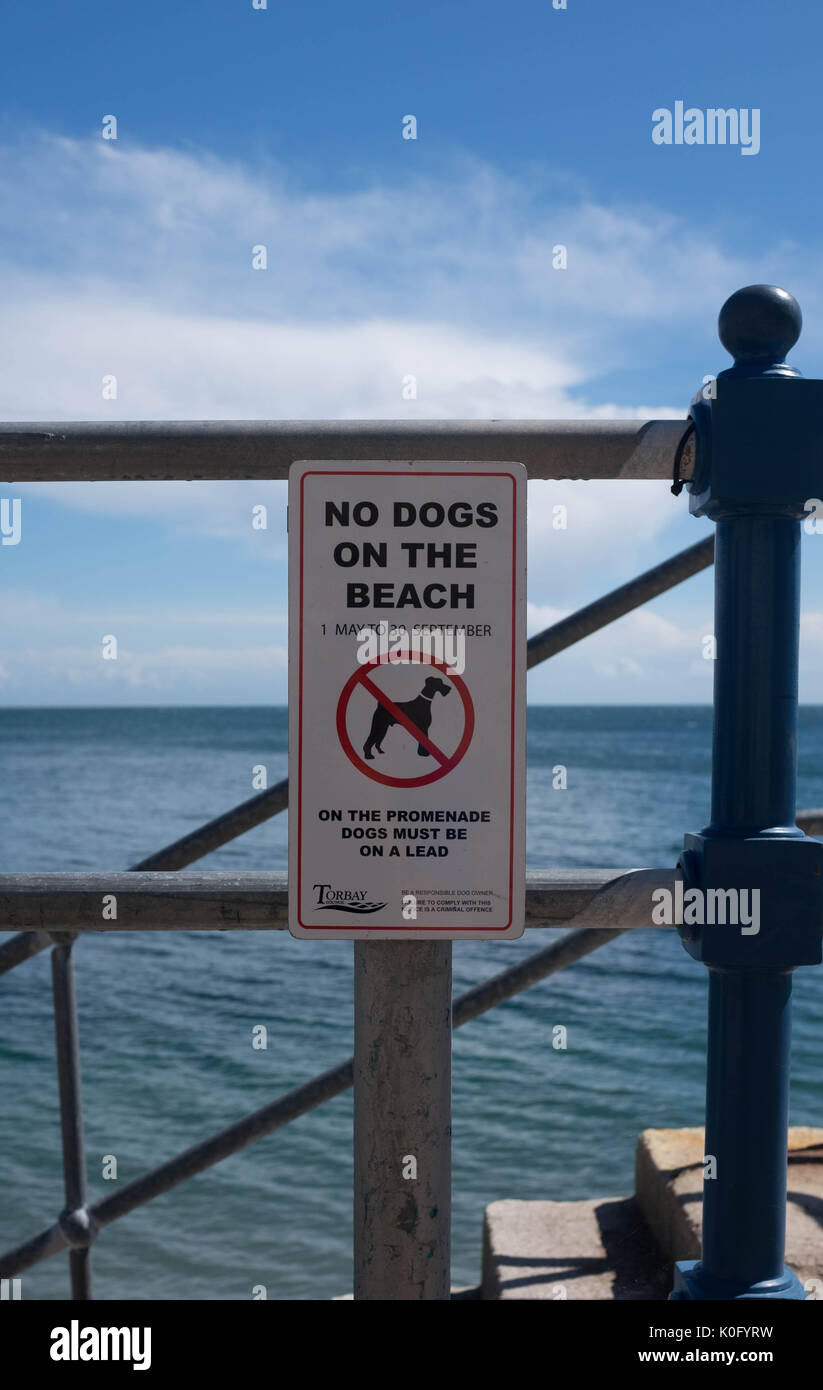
543, 645
219, 831
540, 647
569, 948
620, 601
22, 947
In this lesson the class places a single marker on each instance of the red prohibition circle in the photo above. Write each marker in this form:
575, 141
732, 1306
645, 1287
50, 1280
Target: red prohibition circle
343, 734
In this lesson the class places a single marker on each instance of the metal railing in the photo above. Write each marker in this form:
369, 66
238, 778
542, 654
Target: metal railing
50, 910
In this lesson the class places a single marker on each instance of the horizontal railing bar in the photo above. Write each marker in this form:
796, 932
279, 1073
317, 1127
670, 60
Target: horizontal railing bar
267, 804
541, 646
176, 856
73, 451
570, 948
259, 901
145, 901
25, 898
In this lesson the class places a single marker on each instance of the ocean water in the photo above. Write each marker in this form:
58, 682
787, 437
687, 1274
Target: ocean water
166, 1020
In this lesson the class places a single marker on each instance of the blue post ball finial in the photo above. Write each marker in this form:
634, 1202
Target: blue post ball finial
758, 325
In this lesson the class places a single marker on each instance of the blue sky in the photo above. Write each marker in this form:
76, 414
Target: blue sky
282, 127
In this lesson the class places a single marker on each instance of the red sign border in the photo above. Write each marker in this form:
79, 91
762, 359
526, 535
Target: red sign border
450, 931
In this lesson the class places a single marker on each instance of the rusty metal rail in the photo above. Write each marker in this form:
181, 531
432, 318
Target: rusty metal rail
72, 451
55, 903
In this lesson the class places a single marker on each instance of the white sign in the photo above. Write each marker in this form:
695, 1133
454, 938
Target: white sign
407, 700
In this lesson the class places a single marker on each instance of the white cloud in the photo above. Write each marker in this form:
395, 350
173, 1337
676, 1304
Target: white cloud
645, 657
52, 617
610, 528
191, 655
137, 262
144, 272
62, 673
473, 244
222, 510
174, 365
653, 654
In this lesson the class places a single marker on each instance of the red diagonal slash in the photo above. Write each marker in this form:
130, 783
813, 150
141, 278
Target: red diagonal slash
445, 764
397, 713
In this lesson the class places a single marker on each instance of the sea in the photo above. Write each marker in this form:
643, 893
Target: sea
166, 1021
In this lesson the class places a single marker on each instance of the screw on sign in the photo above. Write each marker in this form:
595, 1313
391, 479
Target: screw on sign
412, 715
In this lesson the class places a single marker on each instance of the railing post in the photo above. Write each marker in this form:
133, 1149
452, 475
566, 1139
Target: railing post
757, 464
402, 1119
74, 1221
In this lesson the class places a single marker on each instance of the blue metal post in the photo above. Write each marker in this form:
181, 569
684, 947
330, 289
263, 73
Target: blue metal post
747, 1118
756, 494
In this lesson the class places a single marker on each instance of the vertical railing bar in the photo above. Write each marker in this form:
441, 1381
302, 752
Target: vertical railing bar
71, 1111
402, 1119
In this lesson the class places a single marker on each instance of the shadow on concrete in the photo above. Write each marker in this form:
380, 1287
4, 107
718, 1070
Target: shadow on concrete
632, 1259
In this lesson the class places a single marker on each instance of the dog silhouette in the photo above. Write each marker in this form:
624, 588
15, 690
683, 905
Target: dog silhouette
418, 710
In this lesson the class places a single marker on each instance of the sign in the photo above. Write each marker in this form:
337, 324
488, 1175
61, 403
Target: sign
407, 700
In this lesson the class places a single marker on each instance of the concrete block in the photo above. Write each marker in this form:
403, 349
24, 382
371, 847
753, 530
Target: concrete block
571, 1250
669, 1193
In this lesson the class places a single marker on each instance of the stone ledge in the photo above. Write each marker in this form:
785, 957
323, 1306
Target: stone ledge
571, 1250
669, 1193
